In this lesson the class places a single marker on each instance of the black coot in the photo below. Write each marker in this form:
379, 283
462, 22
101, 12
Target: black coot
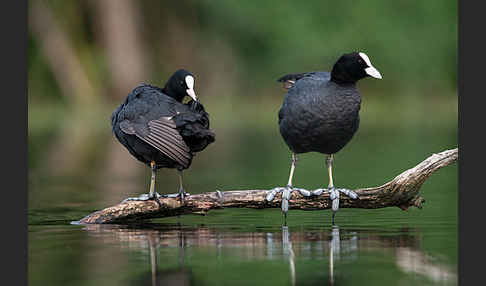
159, 130
320, 113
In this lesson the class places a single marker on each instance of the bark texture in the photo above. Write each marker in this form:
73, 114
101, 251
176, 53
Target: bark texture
402, 192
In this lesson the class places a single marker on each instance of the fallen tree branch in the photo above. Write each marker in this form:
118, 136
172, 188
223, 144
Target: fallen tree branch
402, 192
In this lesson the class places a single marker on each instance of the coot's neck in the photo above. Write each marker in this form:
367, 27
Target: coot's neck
173, 93
340, 76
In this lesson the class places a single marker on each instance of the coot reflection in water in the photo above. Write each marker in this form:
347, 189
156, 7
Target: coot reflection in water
312, 256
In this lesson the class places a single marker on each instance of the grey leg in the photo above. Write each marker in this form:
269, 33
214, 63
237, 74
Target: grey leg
330, 187
292, 169
152, 180
182, 193
152, 195
333, 192
287, 191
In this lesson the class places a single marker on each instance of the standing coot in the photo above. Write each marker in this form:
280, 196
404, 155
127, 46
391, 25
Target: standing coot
159, 130
320, 113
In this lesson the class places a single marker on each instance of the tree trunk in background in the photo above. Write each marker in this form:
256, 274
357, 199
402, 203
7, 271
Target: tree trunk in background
118, 29
66, 153
119, 34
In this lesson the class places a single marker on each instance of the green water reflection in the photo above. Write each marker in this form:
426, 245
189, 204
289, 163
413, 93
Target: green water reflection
184, 254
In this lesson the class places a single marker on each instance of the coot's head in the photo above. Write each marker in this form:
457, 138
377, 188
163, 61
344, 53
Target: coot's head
352, 67
181, 84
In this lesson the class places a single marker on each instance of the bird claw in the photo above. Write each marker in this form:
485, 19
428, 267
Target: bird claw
286, 195
144, 197
272, 193
286, 192
353, 195
304, 192
318, 192
219, 194
170, 195
182, 195
333, 193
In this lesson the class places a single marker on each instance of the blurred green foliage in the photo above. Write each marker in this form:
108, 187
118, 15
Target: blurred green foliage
237, 50
413, 43
412, 40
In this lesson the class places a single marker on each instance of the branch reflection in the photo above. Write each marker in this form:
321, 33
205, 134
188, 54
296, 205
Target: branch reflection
338, 247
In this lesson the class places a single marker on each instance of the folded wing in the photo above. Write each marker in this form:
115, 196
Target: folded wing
163, 136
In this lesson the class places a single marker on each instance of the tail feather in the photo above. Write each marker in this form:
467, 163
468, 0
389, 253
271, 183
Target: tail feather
194, 127
288, 80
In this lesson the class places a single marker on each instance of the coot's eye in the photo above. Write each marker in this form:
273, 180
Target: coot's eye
181, 83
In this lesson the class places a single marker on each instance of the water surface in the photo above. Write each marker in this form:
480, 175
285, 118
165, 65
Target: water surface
251, 247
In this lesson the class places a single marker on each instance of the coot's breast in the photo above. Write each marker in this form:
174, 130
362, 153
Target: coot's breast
319, 116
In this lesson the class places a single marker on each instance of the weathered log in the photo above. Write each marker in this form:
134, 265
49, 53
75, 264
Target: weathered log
402, 192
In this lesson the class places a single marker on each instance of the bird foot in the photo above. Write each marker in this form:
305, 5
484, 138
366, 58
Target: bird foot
334, 195
286, 194
181, 194
145, 197
287, 191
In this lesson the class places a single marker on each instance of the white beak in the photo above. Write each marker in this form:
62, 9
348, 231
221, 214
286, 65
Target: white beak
373, 72
192, 94
370, 70
190, 87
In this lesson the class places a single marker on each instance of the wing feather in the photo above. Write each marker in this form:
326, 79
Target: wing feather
163, 136
170, 131
127, 127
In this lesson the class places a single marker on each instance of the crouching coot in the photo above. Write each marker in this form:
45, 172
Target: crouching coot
161, 131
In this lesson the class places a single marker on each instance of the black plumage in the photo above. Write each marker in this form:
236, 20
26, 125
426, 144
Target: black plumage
320, 112
319, 115
158, 129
